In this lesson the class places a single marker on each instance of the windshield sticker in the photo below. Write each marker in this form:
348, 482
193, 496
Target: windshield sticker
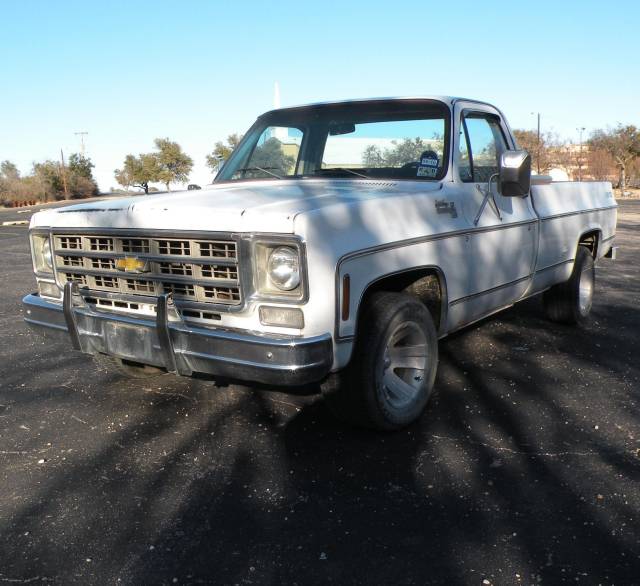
427, 171
429, 161
428, 166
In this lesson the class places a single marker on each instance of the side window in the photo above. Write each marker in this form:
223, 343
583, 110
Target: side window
464, 161
481, 148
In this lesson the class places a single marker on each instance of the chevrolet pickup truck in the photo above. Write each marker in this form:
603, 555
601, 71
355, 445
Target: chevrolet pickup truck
337, 244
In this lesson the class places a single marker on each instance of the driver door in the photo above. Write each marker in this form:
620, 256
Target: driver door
502, 240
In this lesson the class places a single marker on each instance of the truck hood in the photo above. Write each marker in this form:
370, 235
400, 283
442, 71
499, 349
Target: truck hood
264, 206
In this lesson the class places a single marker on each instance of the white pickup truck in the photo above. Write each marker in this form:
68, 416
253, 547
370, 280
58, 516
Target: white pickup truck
336, 245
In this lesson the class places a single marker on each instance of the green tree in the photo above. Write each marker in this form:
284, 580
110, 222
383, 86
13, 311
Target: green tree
623, 144
82, 187
174, 165
372, 157
124, 176
138, 171
80, 176
80, 165
9, 179
271, 156
49, 179
168, 165
601, 165
222, 151
9, 171
542, 152
407, 151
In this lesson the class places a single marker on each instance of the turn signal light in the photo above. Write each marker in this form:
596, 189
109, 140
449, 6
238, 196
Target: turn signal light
283, 317
48, 289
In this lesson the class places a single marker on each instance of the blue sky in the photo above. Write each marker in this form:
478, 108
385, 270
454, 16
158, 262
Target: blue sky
195, 71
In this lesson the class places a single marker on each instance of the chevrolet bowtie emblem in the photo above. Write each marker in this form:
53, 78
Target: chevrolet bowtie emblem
131, 264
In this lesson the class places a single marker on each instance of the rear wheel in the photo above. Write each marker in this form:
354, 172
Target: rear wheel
392, 371
570, 302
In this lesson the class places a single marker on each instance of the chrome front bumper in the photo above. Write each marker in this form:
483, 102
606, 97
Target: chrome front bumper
183, 349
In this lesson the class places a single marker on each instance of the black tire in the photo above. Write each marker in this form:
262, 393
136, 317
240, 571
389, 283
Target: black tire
570, 302
127, 368
376, 390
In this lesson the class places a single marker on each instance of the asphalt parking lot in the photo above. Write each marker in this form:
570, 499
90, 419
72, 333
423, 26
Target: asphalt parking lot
525, 469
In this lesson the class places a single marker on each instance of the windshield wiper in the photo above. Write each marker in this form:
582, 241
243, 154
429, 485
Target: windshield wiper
340, 170
263, 169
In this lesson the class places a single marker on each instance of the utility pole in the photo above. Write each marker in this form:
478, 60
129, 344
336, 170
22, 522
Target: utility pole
580, 130
538, 146
82, 135
64, 175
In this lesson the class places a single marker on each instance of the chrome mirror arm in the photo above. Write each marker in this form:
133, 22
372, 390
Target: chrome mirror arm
487, 194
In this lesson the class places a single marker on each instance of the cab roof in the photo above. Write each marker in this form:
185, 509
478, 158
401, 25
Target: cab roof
448, 100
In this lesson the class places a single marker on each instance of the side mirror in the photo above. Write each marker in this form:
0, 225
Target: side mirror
515, 173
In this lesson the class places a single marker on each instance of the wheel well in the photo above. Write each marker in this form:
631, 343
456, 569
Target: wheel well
590, 240
426, 284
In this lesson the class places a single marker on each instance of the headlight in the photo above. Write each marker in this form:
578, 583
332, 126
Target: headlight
46, 253
283, 268
42, 255
279, 270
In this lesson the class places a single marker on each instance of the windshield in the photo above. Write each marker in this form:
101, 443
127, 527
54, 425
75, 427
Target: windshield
387, 139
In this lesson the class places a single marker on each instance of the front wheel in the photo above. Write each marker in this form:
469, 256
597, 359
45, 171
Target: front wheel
393, 368
570, 302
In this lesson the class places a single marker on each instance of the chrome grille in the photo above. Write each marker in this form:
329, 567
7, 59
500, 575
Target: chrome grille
180, 289
101, 244
197, 270
74, 278
176, 268
219, 272
144, 287
136, 245
224, 293
218, 249
69, 242
105, 282
175, 247
107, 264
72, 261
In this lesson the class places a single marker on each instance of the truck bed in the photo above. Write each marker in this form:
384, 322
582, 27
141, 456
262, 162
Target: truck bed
568, 210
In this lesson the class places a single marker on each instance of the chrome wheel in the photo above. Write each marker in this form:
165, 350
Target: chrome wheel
570, 302
585, 291
391, 375
401, 374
